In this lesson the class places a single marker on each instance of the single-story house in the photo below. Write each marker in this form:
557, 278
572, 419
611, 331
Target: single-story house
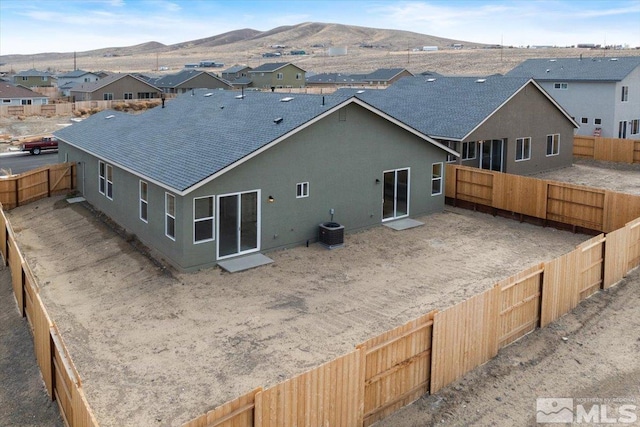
34, 78
115, 87
601, 93
379, 77
218, 174
190, 79
11, 94
507, 124
277, 75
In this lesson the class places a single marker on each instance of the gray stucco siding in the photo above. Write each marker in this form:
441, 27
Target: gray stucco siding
341, 160
528, 114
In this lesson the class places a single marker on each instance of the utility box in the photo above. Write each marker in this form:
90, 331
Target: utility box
331, 235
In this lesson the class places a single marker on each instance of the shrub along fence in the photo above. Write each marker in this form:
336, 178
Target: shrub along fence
58, 372
36, 184
607, 149
422, 356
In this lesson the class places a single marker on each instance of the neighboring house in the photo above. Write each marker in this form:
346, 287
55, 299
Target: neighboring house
602, 94
216, 175
507, 124
34, 78
187, 80
68, 80
115, 87
238, 71
380, 77
17, 95
277, 75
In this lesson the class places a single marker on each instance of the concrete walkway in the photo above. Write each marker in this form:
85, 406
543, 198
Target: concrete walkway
23, 399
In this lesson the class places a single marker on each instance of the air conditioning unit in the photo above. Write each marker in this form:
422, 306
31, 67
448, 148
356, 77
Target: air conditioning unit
331, 235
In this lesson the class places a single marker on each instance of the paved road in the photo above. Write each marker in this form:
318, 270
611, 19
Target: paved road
23, 399
21, 162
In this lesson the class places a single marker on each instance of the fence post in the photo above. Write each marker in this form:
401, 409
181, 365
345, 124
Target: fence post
48, 182
17, 191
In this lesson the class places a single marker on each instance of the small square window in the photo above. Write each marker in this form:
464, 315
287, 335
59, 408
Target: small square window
597, 121
561, 86
302, 190
584, 120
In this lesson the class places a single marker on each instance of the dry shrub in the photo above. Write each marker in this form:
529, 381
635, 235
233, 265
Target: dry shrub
94, 110
21, 118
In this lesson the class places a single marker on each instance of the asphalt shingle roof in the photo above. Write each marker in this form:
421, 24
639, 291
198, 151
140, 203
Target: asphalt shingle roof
175, 80
73, 74
93, 86
195, 136
573, 69
10, 91
271, 67
382, 74
443, 107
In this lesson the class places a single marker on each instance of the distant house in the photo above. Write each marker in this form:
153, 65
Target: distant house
236, 72
34, 78
602, 94
506, 124
187, 80
237, 175
277, 75
115, 87
11, 94
67, 81
379, 77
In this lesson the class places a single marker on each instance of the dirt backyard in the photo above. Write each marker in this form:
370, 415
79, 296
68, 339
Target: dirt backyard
159, 349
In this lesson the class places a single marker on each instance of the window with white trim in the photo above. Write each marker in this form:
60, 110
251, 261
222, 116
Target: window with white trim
279, 76
454, 146
625, 94
203, 219
107, 97
298, 76
437, 170
561, 86
597, 121
105, 179
128, 95
302, 190
523, 149
635, 126
144, 201
584, 120
170, 216
468, 151
553, 144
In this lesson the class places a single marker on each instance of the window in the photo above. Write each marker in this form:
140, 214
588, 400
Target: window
468, 150
87, 79
144, 201
625, 93
107, 97
523, 149
6, 101
635, 126
45, 78
203, 219
25, 78
436, 179
105, 179
170, 216
302, 190
454, 146
561, 86
584, 120
298, 76
26, 102
553, 144
101, 177
597, 121
279, 76
128, 95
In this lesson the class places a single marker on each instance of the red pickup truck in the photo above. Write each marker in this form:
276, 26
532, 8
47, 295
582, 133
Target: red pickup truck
45, 143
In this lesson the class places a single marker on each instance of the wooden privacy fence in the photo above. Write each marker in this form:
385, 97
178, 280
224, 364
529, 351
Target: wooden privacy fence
36, 184
579, 206
395, 368
607, 149
58, 372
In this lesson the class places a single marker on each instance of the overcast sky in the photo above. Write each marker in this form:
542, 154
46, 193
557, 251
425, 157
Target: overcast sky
36, 26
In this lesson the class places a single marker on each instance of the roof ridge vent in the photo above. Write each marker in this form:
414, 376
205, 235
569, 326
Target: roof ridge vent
287, 99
